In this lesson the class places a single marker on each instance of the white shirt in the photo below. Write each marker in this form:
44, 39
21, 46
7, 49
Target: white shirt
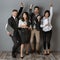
47, 21
14, 17
22, 23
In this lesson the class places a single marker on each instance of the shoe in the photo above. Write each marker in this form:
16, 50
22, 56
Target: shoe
27, 53
32, 51
22, 57
14, 55
45, 53
48, 52
38, 52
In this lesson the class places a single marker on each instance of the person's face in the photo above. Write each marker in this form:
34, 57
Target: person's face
36, 11
46, 14
14, 14
24, 16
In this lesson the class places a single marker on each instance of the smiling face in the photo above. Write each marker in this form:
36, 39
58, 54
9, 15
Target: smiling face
47, 13
14, 13
25, 16
36, 10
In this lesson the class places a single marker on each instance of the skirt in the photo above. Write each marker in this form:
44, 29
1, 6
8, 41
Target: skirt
25, 35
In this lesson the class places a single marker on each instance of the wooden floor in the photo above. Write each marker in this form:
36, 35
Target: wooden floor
52, 56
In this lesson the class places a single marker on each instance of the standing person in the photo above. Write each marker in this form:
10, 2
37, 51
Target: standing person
35, 23
24, 26
47, 29
13, 22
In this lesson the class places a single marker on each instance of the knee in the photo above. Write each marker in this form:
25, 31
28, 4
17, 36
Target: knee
31, 41
38, 42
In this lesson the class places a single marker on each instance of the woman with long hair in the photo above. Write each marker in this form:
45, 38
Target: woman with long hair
24, 25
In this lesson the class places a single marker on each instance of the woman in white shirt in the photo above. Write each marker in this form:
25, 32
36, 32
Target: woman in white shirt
47, 29
24, 24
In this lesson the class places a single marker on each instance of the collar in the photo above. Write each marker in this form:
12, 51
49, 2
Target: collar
14, 17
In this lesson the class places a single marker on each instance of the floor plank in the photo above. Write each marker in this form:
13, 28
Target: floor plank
52, 56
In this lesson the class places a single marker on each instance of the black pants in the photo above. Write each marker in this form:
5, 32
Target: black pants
17, 43
47, 39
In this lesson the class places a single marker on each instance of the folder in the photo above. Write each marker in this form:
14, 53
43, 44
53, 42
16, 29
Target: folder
9, 29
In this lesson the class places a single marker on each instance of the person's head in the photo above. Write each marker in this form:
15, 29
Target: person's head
47, 13
14, 12
25, 16
36, 10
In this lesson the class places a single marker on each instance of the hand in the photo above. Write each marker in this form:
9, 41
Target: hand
21, 4
38, 18
30, 28
24, 26
51, 3
46, 25
31, 6
9, 33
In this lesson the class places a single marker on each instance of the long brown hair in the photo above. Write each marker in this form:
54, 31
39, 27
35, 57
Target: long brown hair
26, 15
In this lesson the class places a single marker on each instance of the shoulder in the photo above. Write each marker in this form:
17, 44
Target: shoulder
10, 19
20, 20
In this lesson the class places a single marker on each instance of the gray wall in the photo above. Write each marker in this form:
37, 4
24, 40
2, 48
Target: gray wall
5, 12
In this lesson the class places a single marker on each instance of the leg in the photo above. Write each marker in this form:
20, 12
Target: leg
22, 48
14, 47
37, 34
27, 48
44, 42
31, 40
49, 34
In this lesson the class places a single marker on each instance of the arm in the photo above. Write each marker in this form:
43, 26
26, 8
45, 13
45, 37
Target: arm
51, 10
30, 10
9, 22
20, 10
44, 23
22, 25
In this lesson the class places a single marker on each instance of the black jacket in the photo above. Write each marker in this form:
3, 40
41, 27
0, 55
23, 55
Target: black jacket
34, 18
14, 23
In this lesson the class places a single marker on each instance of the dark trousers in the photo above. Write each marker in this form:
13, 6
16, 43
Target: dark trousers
47, 39
17, 43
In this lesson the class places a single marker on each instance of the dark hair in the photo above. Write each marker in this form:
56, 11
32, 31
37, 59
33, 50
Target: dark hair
37, 7
14, 10
47, 11
26, 15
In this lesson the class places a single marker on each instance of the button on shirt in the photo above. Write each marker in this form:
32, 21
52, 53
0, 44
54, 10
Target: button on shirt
46, 22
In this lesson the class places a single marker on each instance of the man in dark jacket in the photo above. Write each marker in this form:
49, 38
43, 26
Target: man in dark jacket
35, 25
13, 22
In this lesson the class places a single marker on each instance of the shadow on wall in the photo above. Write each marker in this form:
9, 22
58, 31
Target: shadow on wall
54, 39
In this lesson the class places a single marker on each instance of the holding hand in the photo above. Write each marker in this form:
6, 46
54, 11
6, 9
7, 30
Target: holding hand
9, 33
21, 4
38, 18
31, 6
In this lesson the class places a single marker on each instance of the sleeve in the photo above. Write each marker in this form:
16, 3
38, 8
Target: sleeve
43, 24
30, 13
51, 13
10, 22
20, 11
20, 23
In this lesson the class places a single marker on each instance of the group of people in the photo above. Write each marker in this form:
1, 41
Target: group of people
29, 25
